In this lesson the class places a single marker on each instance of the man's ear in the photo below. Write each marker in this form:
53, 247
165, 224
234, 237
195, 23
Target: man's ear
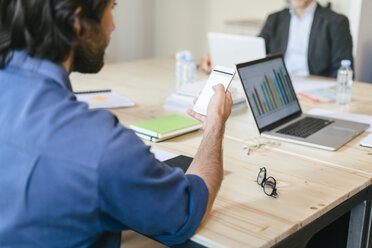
77, 24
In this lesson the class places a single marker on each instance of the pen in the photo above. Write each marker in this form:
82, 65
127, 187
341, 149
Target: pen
312, 99
92, 91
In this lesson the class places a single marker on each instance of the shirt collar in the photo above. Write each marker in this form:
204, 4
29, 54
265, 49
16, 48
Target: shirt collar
309, 10
22, 60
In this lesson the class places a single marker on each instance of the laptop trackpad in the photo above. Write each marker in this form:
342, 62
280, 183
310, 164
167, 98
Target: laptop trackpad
336, 131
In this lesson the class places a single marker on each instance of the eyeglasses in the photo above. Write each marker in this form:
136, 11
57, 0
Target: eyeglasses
268, 184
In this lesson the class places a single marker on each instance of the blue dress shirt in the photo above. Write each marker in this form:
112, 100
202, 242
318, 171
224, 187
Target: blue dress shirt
72, 177
296, 56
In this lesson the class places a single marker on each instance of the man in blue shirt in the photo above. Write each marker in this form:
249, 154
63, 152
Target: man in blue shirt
71, 177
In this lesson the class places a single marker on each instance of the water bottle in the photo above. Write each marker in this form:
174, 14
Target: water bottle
344, 83
189, 70
180, 61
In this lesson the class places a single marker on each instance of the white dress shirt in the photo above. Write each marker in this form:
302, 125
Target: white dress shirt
296, 56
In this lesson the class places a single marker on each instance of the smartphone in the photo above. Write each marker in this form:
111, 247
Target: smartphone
220, 75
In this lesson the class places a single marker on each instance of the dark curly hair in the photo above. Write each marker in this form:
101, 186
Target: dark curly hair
45, 28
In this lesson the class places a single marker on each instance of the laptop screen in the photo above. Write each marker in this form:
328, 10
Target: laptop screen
269, 90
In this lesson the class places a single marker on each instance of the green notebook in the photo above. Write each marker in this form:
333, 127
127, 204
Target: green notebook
166, 127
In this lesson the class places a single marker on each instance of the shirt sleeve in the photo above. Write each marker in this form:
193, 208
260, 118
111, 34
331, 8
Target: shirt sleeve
140, 193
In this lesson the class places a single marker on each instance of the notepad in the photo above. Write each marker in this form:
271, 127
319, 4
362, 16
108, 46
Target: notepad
165, 127
103, 99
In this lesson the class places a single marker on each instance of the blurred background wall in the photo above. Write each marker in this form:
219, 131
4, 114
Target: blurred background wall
155, 28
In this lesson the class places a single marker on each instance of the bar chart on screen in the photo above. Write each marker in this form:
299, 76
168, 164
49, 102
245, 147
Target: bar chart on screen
269, 91
272, 92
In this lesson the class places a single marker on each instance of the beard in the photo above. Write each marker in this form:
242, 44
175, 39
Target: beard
89, 54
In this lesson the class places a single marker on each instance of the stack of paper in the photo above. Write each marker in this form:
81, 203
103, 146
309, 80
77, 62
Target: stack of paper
320, 95
314, 89
165, 127
183, 99
302, 84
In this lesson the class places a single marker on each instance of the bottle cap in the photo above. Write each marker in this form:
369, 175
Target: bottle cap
345, 63
189, 59
180, 55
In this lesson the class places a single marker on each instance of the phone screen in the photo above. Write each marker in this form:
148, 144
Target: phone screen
218, 76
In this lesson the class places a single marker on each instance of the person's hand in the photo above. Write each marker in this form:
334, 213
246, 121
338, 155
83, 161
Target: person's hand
219, 108
206, 64
195, 115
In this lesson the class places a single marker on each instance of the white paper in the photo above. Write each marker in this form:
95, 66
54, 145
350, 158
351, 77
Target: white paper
367, 119
163, 155
367, 141
303, 84
104, 100
323, 95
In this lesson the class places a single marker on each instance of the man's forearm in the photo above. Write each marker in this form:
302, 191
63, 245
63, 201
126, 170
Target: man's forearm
208, 161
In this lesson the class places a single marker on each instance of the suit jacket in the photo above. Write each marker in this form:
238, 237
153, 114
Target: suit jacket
330, 39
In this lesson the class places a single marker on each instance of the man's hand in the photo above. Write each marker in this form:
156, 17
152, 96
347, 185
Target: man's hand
219, 108
206, 64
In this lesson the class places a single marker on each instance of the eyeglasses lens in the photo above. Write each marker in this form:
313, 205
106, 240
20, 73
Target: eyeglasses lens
269, 186
261, 176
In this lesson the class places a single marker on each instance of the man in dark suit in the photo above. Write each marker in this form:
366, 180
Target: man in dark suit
312, 38
322, 35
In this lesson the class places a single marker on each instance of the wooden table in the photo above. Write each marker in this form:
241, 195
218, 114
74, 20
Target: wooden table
315, 187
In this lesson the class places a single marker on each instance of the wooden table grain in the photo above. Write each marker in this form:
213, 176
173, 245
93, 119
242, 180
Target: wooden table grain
311, 182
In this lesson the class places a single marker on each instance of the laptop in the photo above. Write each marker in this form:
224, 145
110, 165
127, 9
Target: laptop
229, 49
277, 112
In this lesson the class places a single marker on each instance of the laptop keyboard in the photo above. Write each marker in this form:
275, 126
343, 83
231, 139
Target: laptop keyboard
305, 127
